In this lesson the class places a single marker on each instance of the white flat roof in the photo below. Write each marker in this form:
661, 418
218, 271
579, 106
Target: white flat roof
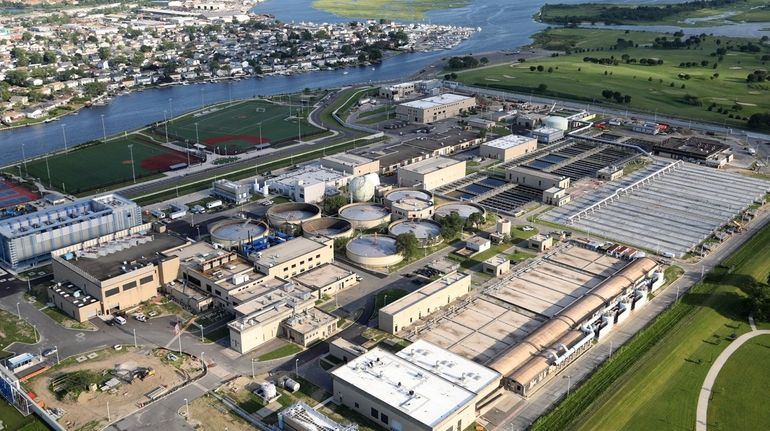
508, 141
288, 250
348, 159
451, 366
547, 130
416, 392
431, 165
434, 101
308, 176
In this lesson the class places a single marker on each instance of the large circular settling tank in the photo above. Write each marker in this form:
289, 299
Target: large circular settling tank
236, 232
292, 213
398, 194
428, 232
331, 227
463, 209
373, 250
365, 215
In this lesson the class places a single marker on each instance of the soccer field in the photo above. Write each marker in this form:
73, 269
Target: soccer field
236, 128
104, 164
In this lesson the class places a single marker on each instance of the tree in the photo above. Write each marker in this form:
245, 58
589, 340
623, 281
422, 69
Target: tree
756, 121
475, 220
759, 298
16, 77
104, 53
542, 87
483, 60
407, 245
451, 226
332, 205
93, 89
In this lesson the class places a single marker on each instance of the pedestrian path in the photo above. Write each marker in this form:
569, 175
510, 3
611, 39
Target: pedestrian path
701, 416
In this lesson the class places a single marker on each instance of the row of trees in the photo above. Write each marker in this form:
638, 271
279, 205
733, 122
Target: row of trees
617, 96
466, 62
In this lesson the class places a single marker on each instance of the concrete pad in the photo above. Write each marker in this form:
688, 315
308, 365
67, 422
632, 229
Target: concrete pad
583, 253
535, 279
484, 345
473, 355
451, 330
574, 261
610, 261
92, 355
527, 302
487, 308
500, 331
601, 270
569, 275
471, 318
437, 338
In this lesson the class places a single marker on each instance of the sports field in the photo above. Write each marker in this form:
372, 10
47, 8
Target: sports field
234, 129
12, 194
741, 383
658, 389
687, 83
97, 166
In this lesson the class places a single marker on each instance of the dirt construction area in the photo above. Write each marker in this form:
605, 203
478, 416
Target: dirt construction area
82, 387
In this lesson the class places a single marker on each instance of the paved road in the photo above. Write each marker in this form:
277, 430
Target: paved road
701, 416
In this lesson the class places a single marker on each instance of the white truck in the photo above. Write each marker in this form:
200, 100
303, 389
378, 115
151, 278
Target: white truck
214, 204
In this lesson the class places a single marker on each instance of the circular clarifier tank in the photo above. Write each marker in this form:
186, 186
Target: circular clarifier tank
373, 250
463, 209
236, 232
428, 232
365, 215
292, 213
402, 193
331, 227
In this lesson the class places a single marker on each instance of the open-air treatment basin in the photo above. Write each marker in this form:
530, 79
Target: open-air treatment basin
428, 232
365, 215
292, 212
464, 210
373, 250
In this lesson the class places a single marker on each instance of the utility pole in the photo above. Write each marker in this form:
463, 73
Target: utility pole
104, 130
48, 169
165, 120
64, 134
135, 346
133, 171
24, 159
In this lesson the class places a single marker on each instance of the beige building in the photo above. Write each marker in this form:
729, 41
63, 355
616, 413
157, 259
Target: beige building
556, 196
434, 108
111, 276
309, 326
351, 164
431, 173
327, 280
496, 265
423, 301
412, 208
507, 147
294, 257
421, 388
259, 319
535, 178
540, 242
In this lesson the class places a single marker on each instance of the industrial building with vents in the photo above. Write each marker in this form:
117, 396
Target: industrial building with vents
28, 240
421, 388
434, 108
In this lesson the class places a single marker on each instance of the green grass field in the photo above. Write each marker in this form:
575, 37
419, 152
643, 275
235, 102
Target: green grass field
660, 88
12, 330
11, 419
97, 166
411, 10
658, 389
744, 10
235, 128
741, 382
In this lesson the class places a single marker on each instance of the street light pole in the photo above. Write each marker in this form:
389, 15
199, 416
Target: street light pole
56, 349
34, 329
296, 367
165, 120
171, 107
18, 311
64, 134
252, 368
569, 383
104, 130
186, 409
135, 346
48, 169
24, 158
133, 171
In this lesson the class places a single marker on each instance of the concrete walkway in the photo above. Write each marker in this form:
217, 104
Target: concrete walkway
701, 416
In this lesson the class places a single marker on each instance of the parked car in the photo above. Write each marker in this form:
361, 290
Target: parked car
140, 317
49, 352
120, 320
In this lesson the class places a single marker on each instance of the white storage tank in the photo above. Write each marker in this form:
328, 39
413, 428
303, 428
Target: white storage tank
556, 122
290, 385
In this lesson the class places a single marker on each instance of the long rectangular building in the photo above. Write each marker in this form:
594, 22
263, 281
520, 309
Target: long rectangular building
431, 173
28, 240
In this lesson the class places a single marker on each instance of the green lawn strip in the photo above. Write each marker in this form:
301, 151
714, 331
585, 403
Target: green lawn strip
281, 352
413, 10
11, 419
480, 257
246, 400
214, 335
64, 320
651, 88
736, 397
518, 233
652, 382
13, 329
392, 295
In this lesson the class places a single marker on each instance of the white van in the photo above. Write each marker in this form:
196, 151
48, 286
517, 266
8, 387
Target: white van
120, 320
